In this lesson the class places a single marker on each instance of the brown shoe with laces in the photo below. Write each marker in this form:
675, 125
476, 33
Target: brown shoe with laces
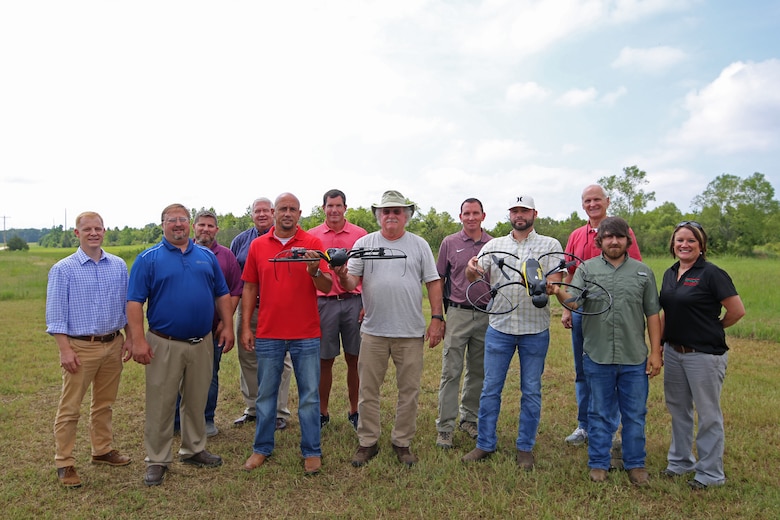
404, 455
364, 454
68, 477
112, 458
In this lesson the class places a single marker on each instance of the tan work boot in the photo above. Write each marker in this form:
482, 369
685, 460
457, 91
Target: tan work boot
475, 455
68, 477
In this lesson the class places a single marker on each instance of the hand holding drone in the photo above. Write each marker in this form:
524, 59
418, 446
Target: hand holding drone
591, 299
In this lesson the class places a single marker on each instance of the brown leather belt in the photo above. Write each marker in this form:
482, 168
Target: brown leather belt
681, 349
342, 296
97, 339
191, 341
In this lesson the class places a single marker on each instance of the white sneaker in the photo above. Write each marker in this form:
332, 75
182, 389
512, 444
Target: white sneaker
577, 438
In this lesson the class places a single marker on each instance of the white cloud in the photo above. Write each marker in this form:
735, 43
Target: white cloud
528, 91
502, 150
610, 98
576, 97
652, 60
739, 111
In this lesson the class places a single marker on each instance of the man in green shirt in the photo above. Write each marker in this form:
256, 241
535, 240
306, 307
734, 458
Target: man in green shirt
615, 358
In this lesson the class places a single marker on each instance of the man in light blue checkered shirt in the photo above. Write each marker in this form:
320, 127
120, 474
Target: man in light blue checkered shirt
85, 310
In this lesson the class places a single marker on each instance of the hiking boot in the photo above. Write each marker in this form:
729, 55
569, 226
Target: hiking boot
475, 455
68, 477
598, 475
405, 455
577, 438
203, 459
470, 428
364, 454
353, 419
444, 440
638, 476
525, 460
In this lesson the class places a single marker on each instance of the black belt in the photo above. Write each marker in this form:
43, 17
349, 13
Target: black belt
681, 349
465, 306
101, 339
191, 341
342, 296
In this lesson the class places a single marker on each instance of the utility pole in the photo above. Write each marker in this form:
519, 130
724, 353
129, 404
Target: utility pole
5, 237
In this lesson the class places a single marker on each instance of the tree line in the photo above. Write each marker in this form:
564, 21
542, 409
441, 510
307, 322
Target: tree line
740, 216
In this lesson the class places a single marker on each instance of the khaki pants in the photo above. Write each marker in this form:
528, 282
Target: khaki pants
407, 354
101, 367
177, 368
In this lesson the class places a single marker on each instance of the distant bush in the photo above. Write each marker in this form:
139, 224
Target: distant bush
17, 243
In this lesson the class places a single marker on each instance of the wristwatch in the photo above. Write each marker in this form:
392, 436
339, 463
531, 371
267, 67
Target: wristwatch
437, 317
317, 274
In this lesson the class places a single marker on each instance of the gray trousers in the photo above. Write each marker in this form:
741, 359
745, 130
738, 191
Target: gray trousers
464, 340
248, 363
695, 379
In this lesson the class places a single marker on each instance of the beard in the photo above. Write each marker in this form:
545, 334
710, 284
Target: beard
522, 225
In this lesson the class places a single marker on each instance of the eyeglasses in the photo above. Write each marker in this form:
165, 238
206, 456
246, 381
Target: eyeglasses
392, 211
174, 220
692, 223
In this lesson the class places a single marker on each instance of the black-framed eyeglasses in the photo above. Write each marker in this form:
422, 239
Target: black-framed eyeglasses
690, 223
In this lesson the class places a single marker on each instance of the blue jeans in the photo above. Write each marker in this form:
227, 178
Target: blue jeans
624, 386
305, 354
211, 404
499, 351
581, 390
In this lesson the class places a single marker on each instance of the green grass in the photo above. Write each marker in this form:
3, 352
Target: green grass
439, 486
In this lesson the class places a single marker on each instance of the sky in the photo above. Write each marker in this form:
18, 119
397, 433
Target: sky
125, 107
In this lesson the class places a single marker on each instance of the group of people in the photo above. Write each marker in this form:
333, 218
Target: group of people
296, 317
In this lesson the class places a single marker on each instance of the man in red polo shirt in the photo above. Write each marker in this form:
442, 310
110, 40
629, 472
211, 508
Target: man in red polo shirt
340, 310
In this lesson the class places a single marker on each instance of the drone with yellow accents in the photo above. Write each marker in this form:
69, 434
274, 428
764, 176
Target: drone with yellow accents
336, 257
497, 298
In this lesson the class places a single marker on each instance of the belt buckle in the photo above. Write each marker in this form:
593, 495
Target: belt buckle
194, 341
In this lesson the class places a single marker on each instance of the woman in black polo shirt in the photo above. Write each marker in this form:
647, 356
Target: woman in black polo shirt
693, 294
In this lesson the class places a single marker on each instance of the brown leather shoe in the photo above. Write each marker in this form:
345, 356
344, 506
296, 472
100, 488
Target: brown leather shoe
405, 455
598, 475
255, 461
68, 477
312, 465
475, 455
525, 460
364, 454
203, 459
639, 476
155, 474
112, 458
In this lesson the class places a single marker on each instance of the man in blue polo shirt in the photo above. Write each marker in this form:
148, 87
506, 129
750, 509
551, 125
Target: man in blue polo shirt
180, 281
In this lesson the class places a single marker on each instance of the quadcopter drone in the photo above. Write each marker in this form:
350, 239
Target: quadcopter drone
336, 257
590, 300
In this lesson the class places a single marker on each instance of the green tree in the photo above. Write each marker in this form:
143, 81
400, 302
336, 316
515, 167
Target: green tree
433, 227
738, 214
17, 243
627, 199
362, 217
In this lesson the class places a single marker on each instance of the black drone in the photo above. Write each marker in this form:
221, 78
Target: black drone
590, 300
338, 256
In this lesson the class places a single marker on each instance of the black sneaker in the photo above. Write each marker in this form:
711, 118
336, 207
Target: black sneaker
353, 418
324, 419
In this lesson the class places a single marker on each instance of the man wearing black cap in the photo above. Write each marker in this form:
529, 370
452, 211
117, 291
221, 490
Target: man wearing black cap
524, 329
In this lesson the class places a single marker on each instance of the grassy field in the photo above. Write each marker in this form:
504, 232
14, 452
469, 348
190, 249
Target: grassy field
439, 486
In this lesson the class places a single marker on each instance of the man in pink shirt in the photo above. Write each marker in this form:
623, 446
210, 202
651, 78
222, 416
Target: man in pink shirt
340, 310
